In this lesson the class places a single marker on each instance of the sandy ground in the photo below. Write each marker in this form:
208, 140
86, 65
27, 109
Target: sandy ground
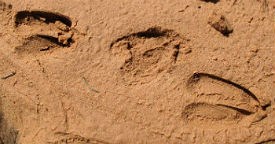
137, 71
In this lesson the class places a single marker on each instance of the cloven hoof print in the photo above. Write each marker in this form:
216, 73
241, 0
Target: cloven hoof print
137, 72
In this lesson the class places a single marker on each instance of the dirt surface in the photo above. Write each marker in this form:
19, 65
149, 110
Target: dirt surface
132, 71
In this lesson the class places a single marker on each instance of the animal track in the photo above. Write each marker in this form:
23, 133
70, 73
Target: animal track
4, 6
147, 53
37, 43
208, 113
32, 17
206, 86
76, 139
219, 99
47, 31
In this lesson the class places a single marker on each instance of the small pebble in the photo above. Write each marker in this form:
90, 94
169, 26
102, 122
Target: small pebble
220, 23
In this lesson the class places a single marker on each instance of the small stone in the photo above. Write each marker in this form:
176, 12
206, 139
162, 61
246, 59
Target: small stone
220, 23
42, 19
65, 39
62, 26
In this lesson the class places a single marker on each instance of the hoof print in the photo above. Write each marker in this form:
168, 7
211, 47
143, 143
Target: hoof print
220, 23
202, 113
216, 96
29, 17
55, 28
212, 86
38, 43
145, 54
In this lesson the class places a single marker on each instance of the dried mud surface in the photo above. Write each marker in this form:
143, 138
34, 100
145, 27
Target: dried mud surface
159, 71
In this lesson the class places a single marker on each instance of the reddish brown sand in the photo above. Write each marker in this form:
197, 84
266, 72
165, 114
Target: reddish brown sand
137, 71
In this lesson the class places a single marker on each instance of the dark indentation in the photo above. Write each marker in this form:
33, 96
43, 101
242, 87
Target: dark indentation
266, 106
4, 6
54, 40
212, 1
47, 17
196, 77
153, 32
8, 76
242, 111
226, 34
176, 52
8, 135
269, 141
